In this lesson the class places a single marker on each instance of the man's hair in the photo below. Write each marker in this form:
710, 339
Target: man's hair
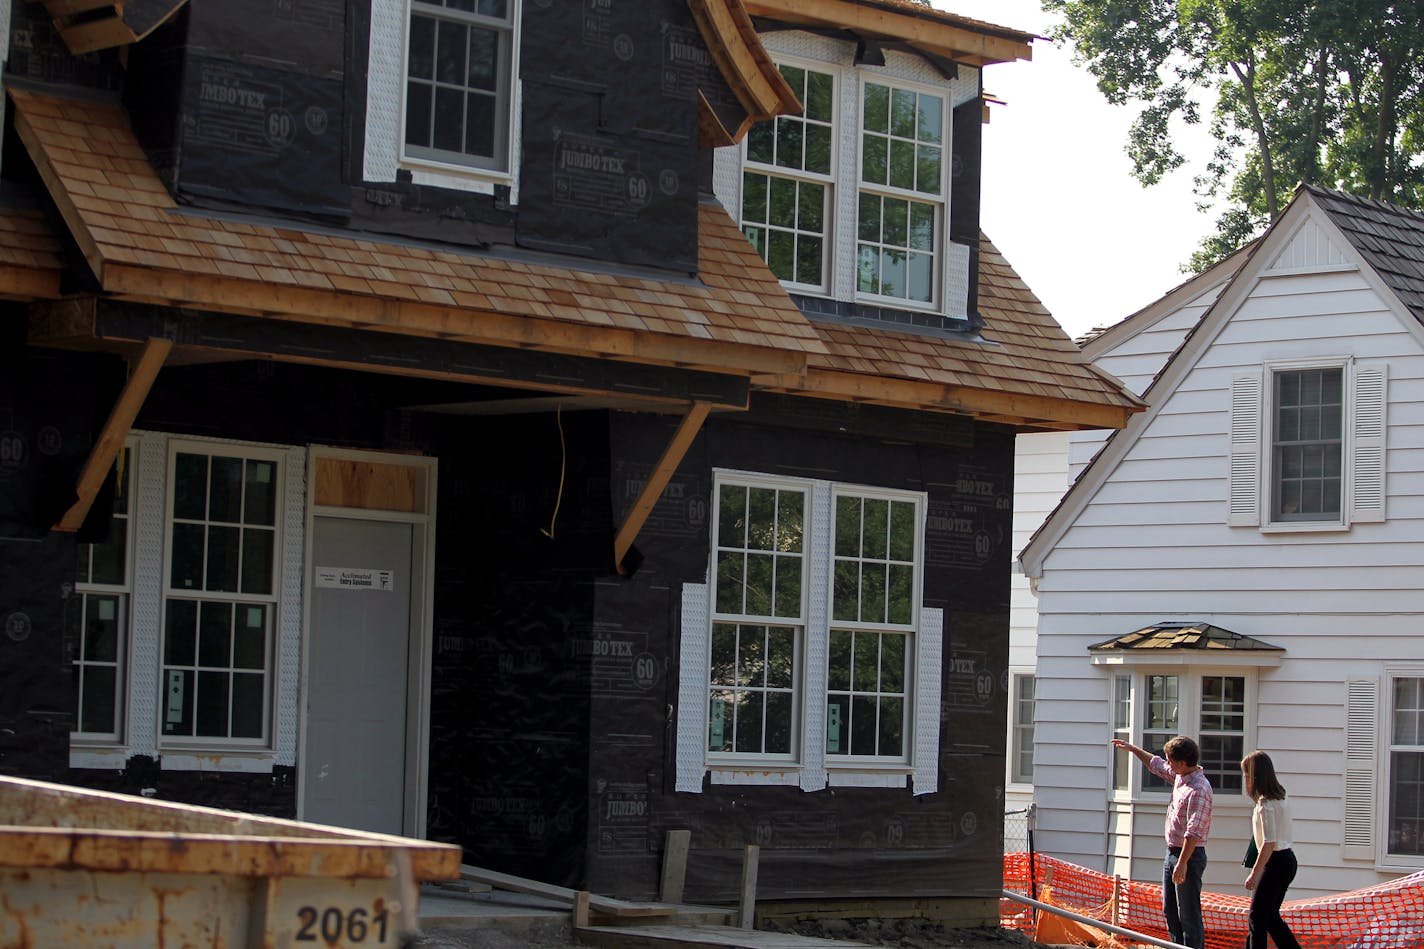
1182, 749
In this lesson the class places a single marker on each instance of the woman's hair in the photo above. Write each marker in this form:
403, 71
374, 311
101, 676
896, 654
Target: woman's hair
1182, 749
1260, 774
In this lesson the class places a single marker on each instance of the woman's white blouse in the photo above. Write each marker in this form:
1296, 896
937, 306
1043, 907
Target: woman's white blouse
1271, 821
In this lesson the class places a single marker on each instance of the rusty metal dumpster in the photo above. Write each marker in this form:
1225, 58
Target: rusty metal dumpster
90, 868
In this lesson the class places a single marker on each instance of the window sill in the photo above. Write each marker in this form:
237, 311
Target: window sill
1305, 527
104, 758
455, 177
233, 762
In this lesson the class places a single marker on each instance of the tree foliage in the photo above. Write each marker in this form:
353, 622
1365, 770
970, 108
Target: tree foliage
1327, 92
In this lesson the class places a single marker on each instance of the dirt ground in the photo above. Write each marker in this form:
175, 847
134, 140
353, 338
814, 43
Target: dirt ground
905, 933
912, 934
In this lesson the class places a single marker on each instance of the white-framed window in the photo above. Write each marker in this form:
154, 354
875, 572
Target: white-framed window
787, 182
758, 619
443, 92
1021, 746
1307, 445
1121, 718
864, 221
901, 203
807, 658
458, 81
103, 588
1405, 820
875, 580
1157, 705
220, 595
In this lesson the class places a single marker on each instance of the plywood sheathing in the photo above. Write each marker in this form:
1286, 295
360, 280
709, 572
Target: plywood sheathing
958, 38
142, 247
30, 263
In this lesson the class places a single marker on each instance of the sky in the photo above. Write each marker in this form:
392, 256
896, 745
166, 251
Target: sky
1059, 199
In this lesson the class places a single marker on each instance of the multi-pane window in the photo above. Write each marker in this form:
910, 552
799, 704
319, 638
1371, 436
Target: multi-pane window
901, 193
758, 618
1307, 441
1406, 767
220, 595
1122, 760
1022, 750
1160, 716
1222, 730
872, 615
786, 182
767, 547
103, 586
1210, 708
459, 76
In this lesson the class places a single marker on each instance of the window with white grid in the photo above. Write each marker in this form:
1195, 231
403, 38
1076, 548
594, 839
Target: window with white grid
902, 187
786, 183
220, 594
103, 587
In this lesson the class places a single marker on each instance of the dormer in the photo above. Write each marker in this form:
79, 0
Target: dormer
866, 203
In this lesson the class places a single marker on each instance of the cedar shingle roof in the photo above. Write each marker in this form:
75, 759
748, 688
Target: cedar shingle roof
140, 244
1183, 636
29, 255
1391, 238
1024, 357
733, 317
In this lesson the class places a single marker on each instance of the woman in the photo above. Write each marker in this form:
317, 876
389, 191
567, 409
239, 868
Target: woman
1275, 863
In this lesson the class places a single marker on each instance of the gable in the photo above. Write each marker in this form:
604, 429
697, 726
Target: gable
1309, 248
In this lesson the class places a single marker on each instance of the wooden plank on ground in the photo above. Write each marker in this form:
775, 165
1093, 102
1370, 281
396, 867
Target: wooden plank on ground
678, 842
601, 905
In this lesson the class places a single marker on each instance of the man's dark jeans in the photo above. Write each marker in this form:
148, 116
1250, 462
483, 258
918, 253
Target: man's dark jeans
1181, 902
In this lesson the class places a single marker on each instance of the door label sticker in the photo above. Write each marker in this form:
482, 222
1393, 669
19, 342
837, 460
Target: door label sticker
354, 578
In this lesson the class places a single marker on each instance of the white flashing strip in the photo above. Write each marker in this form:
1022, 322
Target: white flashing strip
694, 665
929, 662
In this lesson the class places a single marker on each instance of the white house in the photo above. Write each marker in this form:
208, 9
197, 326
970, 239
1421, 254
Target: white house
1240, 562
1046, 463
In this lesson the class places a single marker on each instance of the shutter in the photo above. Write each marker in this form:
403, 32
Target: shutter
1367, 439
694, 669
929, 673
1361, 747
1244, 507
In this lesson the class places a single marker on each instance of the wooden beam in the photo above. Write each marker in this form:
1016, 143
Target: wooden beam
672, 456
116, 429
334, 308
744, 63
602, 905
677, 843
978, 402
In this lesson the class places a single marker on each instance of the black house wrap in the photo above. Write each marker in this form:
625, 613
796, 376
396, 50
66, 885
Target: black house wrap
497, 361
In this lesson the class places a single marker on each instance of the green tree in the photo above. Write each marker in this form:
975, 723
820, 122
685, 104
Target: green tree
1327, 92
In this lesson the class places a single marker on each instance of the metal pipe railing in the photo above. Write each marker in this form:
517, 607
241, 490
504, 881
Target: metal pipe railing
1079, 917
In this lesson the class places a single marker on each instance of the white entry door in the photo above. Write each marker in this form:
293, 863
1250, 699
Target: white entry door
355, 756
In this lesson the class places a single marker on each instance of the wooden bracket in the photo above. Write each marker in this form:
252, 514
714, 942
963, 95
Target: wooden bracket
672, 456
116, 429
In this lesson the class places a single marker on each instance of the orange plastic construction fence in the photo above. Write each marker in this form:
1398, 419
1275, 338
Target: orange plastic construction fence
1387, 916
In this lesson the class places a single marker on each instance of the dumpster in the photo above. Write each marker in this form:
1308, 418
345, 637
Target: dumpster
92, 868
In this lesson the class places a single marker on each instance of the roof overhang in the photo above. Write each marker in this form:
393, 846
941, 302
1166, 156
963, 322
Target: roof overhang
736, 48
90, 25
921, 28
